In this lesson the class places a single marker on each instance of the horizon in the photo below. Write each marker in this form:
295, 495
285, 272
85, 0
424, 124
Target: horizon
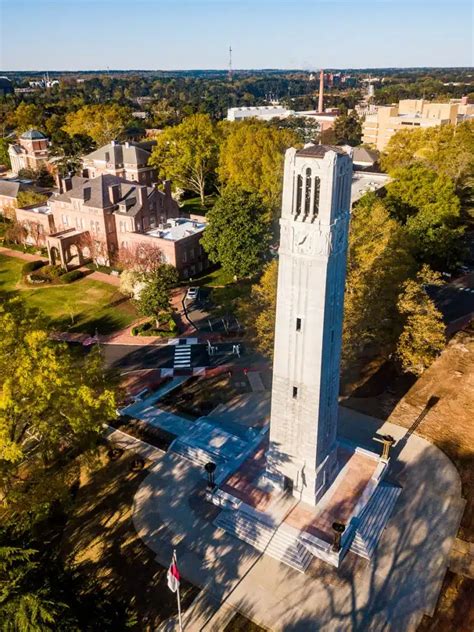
182, 36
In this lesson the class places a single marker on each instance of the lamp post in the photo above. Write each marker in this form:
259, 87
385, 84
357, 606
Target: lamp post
338, 529
210, 468
387, 441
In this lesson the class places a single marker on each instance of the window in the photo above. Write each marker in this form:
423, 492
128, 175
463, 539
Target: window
295, 392
307, 191
298, 324
317, 187
299, 193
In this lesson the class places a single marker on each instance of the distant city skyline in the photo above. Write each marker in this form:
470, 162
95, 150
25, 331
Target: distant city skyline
41, 35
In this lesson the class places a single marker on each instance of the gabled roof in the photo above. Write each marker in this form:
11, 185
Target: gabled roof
362, 154
118, 154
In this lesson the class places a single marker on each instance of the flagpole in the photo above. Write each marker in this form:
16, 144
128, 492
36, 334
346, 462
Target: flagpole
177, 597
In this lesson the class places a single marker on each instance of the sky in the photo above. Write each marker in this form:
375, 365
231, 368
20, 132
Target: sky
186, 34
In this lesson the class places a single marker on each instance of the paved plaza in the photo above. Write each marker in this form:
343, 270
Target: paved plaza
392, 592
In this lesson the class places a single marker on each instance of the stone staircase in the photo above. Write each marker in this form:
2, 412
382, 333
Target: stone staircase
281, 543
373, 519
195, 455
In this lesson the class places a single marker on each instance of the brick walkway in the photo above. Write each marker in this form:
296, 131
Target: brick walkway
25, 256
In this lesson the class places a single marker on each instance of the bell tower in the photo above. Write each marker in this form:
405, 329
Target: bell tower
302, 456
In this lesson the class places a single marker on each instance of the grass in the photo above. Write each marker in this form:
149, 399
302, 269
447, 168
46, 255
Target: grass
100, 540
82, 306
455, 609
194, 206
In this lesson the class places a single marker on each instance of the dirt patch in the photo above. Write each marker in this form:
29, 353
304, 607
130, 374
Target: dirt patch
198, 396
101, 541
239, 623
455, 609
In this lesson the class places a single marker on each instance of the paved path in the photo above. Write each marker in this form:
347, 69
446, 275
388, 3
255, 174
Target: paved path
20, 255
391, 594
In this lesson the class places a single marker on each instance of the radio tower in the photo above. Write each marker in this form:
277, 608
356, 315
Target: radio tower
229, 74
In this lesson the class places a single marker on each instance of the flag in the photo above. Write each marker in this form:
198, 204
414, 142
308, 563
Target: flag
173, 574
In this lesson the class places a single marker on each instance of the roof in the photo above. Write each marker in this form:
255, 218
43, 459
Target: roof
364, 155
98, 193
119, 154
9, 189
319, 151
33, 134
177, 229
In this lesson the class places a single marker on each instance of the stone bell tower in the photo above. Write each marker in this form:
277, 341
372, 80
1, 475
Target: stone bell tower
302, 456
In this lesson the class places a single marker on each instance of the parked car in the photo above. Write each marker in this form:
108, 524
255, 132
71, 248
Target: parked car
192, 293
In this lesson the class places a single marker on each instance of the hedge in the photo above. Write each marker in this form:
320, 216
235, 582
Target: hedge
69, 277
31, 266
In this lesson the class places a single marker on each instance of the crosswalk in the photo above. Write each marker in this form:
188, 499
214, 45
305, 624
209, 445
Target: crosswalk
182, 356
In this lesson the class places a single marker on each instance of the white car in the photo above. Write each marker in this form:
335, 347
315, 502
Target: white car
192, 293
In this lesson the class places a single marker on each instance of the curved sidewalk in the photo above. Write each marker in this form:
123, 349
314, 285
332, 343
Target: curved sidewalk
392, 593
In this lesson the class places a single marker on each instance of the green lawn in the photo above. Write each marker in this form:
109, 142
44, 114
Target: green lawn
194, 206
84, 305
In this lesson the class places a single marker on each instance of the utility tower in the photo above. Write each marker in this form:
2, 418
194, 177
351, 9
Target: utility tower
230, 72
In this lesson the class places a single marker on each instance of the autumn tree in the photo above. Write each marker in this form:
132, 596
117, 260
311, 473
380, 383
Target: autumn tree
237, 234
187, 154
348, 129
155, 297
379, 262
26, 116
258, 312
103, 123
252, 156
4, 156
423, 335
28, 198
50, 401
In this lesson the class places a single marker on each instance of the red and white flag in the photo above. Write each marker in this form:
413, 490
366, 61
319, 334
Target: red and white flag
173, 574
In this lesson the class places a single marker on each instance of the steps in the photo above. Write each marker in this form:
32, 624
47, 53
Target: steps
195, 455
373, 520
282, 543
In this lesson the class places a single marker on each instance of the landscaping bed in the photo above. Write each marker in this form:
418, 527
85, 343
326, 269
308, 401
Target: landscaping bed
198, 396
139, 429
168, 329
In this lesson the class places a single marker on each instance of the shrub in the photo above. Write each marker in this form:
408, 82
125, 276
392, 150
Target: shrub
52, 272
37, 278
31, 266
74, 275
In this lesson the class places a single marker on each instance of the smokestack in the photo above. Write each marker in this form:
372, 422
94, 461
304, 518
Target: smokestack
321, 92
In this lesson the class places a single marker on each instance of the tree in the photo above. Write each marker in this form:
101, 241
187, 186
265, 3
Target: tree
379, 262
155, 296
23, 607
237, 234
142, 257
29, 197
423, 335
50, 401
251, 158
187, 154
259, 312
26, 116
426, 202
103, 123
348, 129
4, 156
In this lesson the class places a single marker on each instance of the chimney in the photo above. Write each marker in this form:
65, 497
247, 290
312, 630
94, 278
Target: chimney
321, 92
66, 184
167, 188
113, 143
114, 193
142, 197
127, 145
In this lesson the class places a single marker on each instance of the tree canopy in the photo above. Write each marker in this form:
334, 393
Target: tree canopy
155, 296
348, 129
102, 123
252, 156
187, 154
238, 233
423, 335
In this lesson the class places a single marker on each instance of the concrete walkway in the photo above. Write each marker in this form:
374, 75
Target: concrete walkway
392, 593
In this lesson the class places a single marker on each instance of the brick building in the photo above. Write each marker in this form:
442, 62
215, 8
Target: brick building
30, 152
127, 160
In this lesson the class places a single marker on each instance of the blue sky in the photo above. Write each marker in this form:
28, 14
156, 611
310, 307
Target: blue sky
182, 34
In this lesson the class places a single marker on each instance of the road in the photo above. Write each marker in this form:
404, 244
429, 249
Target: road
456, 299
132, 358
